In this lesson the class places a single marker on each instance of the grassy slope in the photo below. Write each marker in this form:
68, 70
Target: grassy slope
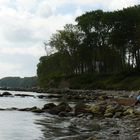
110, 82
127, 81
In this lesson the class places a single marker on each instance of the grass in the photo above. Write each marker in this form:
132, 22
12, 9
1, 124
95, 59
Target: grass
122, 81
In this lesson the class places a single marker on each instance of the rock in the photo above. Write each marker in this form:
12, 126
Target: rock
137, 111
24, 109
112, 109
108, 115
115, 132
98, 109
95, 127
95, 109
42, 96
6, 94
11, 109
129, 111
37, 110
64, 107
24, 95
109, 110
63, 114
54, 96
118, 114
53, 109
49, 106
2, 109
80, 108
28, 109
118, 108
102, 97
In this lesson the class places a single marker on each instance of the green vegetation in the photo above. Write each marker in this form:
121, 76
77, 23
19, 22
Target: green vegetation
100, 51
17, 82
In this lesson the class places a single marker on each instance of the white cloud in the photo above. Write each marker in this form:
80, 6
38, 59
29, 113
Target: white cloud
44, 10
35, 51
4, 1
6, 69
26, 24
106, 4
119, 4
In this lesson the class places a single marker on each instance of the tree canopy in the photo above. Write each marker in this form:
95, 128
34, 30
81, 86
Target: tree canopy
100, 42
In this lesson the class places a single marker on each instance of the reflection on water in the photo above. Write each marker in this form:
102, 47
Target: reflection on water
20, 102
16, 125
54, 127
57, 128
19, 126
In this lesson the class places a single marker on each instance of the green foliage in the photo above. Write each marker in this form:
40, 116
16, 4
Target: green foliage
17, 82
100, 44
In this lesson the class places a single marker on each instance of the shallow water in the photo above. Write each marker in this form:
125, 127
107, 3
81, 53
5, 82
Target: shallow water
18, 125
22, 102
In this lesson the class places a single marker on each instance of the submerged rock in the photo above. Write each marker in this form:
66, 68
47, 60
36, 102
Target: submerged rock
54, 96
6, 94
41, 96
28, 109
24, 95
37, 110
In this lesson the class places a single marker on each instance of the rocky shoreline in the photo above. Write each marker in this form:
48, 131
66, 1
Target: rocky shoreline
97, 103
97, 110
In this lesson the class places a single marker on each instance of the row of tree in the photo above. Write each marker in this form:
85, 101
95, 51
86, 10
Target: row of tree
17, 82
103, 42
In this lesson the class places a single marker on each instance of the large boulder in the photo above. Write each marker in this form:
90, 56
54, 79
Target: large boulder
97, 109
49, 106
53, 109
64, 107
113, 109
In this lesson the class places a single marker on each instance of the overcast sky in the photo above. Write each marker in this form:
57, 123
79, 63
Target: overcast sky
26, 24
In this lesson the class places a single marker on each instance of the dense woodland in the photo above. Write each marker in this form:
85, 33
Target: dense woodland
101, 42
17, 82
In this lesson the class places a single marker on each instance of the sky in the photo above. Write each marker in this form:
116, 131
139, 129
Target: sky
26, 24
